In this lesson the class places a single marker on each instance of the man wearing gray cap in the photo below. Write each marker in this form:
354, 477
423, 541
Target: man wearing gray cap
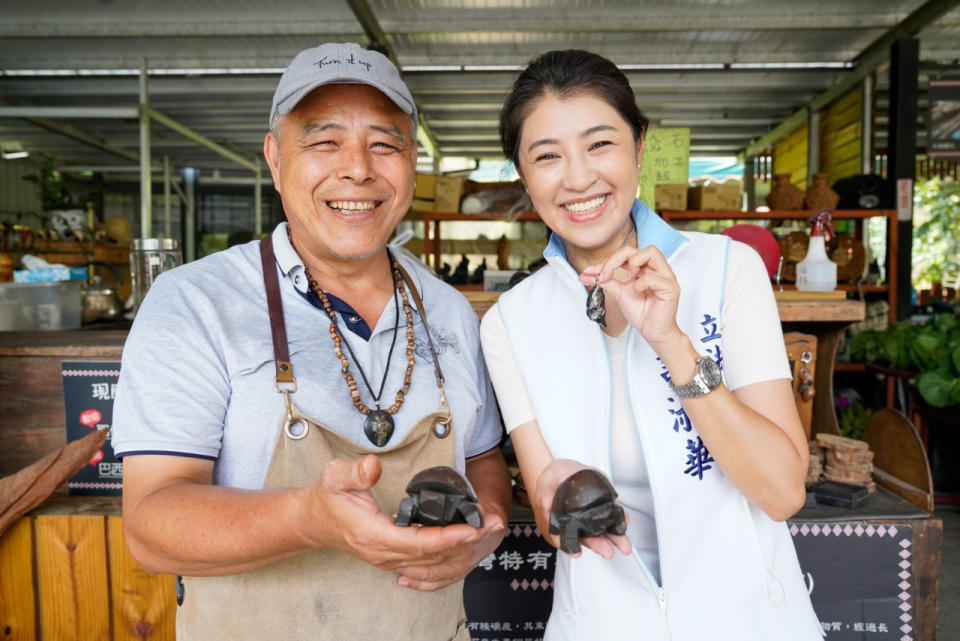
276, 398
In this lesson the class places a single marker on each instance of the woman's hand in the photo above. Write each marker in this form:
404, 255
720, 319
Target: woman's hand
644, 287
547, 483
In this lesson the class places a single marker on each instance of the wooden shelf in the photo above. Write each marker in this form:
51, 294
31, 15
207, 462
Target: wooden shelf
847, 287
74, 253
890, 288
485, 216
432, 220
849, 367
776, 214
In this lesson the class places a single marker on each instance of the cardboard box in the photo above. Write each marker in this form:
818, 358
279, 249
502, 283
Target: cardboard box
425, 187
670, 197
497, 280
714, 196
448, 194
422, 204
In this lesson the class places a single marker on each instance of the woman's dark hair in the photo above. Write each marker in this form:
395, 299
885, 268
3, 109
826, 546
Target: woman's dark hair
567, 73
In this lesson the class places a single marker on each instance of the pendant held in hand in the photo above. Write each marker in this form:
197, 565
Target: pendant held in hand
596, 303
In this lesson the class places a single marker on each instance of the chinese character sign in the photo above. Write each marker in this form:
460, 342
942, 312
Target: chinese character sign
88, 392
944, 118
509, 595
666, 160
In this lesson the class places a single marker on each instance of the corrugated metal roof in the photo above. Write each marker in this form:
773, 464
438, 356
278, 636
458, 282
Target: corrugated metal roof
186, 41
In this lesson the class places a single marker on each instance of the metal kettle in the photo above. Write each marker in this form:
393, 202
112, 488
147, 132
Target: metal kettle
101, 302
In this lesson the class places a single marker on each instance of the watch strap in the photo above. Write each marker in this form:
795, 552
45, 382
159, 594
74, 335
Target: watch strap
698, 385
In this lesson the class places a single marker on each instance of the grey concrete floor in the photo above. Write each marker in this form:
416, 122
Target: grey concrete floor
949, 603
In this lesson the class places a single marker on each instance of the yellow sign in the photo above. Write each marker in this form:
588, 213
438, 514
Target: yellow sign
666, 160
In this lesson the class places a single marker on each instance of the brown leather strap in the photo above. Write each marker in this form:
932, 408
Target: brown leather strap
281, 351
423, 316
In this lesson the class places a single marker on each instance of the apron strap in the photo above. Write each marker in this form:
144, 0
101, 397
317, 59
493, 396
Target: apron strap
281, 352
423, 314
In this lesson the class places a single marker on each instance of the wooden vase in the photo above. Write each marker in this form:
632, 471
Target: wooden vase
784, 194
819, 195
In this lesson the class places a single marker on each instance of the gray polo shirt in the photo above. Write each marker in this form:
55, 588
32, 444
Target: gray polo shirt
197, 372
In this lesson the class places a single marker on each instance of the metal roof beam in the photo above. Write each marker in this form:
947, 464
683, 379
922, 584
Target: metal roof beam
67, 112
379, 41
106, 28
75, 134
862, 14
865, 63
186, 132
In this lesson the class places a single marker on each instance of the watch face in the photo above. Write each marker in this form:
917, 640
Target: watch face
710, 372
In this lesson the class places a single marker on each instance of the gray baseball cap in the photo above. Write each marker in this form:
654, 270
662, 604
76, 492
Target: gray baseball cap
340, 63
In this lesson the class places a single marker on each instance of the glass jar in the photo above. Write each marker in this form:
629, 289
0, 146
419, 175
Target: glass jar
149, 257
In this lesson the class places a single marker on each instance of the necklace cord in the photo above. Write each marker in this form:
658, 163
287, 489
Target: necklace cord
423, 314
393, 342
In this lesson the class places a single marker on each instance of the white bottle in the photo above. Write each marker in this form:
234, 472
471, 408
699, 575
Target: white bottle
816, 272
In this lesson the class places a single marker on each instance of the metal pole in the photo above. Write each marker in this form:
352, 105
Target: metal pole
749, 183
813, 145
189, 220
166, 197
146, 195
902, 162
866, 125
257, 205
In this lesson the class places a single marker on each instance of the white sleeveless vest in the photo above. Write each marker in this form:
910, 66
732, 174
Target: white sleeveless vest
728, 571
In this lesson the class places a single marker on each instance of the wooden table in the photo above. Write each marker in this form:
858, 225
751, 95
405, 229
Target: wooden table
826, 319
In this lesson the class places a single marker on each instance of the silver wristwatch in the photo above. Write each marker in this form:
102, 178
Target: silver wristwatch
706, 379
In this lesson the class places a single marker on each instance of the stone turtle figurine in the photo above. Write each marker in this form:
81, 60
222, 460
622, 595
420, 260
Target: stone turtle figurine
439, 496
585, 505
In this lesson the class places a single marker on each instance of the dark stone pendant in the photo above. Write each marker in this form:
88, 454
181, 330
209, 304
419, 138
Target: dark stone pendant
378, 427
596, 304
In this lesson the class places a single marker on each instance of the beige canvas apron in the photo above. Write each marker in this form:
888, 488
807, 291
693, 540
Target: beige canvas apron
328, 595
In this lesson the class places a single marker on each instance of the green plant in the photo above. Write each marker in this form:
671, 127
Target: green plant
936, 219
853, 419
932, 350
54, 193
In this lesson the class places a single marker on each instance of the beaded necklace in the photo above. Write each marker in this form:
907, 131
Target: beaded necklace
379, 424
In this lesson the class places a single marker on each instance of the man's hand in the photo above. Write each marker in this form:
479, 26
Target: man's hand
339, 511
454, 563
547, 483
490, 479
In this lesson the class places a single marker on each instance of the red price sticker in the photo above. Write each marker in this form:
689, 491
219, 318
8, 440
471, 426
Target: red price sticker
90, 418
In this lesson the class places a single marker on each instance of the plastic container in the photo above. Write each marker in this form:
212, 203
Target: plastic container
149, 257
40, 306
816, 272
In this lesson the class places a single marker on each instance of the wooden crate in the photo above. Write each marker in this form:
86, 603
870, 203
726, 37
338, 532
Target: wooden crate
66, 575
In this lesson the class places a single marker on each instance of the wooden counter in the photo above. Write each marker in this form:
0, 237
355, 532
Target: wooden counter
65, 571
31, 402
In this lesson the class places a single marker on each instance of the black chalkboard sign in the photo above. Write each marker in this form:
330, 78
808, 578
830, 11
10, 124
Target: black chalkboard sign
508, 596
88, 391
859, 575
